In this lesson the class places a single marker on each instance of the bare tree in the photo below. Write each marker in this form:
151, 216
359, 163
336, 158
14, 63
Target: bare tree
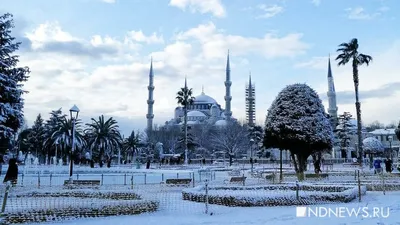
232, 139
202, 135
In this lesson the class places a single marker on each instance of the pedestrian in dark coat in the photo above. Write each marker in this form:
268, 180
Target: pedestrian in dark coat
12, 172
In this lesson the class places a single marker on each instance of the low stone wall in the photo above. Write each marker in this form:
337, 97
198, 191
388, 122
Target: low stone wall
332, 194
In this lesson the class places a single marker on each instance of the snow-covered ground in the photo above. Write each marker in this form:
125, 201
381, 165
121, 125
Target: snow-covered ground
173, 210
190, 213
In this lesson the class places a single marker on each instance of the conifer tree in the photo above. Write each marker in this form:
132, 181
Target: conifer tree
11, 79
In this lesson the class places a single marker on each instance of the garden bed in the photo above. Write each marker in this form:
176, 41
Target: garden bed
65, 211
372, 185
57, 205
125, 195
273, 195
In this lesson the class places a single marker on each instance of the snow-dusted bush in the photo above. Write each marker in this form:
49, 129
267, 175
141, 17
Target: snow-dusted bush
373, 145
273, 195
297, 121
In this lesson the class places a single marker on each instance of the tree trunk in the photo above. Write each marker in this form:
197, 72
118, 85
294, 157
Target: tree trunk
280, 166
300, 173
296, 168
371, 163
317, 162
4, 145
186, 141
358, 112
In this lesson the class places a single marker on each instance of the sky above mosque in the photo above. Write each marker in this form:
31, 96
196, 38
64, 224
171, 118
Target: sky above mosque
96, 53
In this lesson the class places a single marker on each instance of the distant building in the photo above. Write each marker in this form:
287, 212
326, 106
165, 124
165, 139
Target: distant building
204, 110
250, 103
389, 140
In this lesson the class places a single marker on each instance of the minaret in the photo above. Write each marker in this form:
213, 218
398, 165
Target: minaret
250, 103
228, 84
150, 101
332, 109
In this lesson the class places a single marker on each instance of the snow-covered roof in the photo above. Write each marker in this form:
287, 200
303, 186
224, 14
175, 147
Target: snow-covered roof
372, 145
196, 113
193, 122
203, 98
221, 123
383, 132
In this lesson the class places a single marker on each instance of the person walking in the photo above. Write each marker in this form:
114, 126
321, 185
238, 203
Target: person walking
377, 166
12, 172
388, 165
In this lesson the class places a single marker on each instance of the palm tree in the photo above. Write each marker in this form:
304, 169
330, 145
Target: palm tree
63, 135
184, 98
105, 136
349, 51
130, 144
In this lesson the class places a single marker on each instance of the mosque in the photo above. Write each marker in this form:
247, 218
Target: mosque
204, 110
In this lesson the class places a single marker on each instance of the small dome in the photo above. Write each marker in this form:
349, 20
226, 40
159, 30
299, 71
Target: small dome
221, 123
214, 110
203, 98
178, 108
373, 145
196, 113
193, 122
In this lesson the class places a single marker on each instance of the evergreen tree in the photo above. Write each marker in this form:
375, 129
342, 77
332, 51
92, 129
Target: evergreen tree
344, 131
296, 121
256, 134
36, 137
11, 79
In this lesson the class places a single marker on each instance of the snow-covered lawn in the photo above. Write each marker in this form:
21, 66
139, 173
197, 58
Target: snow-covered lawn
189, 213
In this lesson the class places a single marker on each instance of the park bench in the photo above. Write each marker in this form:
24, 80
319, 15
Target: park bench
177, 182
353, 164
313, 175
82, 183
240, 180
327, 166
234, 173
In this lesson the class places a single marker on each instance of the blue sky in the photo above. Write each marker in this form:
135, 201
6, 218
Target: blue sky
95, 53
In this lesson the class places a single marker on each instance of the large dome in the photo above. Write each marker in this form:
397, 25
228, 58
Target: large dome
203, 98
196, 113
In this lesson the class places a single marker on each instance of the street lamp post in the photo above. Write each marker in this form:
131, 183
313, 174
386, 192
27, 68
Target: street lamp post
251, 154
74, 111
390, 138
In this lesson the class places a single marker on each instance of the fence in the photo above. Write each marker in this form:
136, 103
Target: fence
56, 179
210, 195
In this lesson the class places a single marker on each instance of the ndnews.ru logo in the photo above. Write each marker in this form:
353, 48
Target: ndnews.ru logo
343, 212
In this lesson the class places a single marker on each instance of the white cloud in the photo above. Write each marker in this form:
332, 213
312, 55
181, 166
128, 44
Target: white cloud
383, 71
214, 43
119, 87
140, 37
49, 31
109, 1
316, 2
203, 6
269, 10
359, 13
